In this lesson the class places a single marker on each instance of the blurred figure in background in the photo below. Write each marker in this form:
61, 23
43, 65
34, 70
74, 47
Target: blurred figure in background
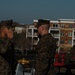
6, 48
70, 60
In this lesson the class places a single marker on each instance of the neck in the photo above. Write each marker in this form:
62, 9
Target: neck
44, 32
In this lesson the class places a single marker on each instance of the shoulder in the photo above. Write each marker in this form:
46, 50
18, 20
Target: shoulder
48, 37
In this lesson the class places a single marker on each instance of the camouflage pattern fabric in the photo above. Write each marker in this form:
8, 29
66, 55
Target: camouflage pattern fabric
4, 44
45, 55
4, 66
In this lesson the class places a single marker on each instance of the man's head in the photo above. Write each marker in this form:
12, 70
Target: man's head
6, 29
43, 26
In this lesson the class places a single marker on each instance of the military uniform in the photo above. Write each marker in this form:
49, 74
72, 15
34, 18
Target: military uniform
4, 64
4, 67
6, 47
45, 55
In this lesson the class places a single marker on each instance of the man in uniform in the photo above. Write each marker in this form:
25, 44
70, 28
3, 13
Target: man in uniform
6, 48
46, 48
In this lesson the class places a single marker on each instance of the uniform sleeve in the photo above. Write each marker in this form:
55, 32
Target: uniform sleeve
44, 52
44, 55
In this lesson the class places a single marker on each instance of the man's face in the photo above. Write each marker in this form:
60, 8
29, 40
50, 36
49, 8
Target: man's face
39, 30
5, 32
10, 33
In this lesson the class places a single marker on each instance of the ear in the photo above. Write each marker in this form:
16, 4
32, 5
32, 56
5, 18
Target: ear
2, 35
42, 27
4, 31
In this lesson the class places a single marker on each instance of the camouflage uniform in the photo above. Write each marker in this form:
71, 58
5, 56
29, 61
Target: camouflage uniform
45, 54
4, 65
